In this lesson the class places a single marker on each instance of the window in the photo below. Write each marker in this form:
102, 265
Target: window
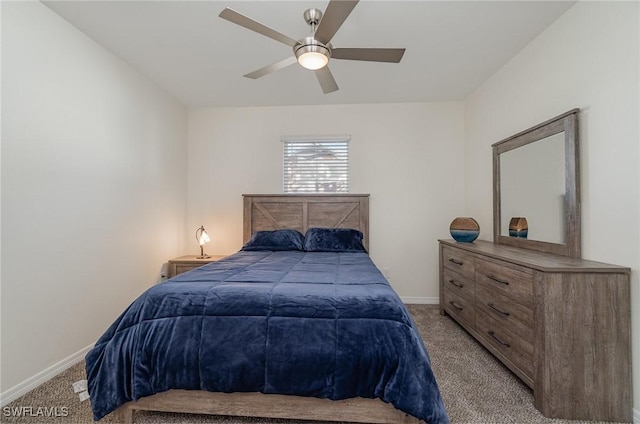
316, 164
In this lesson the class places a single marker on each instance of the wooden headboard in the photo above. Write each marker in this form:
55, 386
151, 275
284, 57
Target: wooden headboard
301, 212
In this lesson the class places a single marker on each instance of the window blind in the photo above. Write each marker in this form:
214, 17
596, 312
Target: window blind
316, 164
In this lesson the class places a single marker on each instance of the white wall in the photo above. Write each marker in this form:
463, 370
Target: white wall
587, 59
93, 189
409, 157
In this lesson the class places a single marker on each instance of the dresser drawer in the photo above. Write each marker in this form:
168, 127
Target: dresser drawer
459, 307
458, 284
510, 282
458, 261
180, 268
517, 350
513, 316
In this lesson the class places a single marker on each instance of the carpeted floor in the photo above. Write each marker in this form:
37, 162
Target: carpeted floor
476, 388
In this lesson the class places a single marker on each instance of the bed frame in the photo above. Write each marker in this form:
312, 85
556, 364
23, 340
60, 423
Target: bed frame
270, 212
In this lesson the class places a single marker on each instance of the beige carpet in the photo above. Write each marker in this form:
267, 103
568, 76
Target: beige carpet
476, 388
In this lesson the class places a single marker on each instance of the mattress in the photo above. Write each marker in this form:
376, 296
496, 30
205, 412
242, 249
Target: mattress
321, 324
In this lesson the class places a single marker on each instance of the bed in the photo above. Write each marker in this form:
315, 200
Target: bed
310, 332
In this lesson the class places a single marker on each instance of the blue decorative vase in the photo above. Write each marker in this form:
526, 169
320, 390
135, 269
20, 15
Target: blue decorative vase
518, 227
464, 229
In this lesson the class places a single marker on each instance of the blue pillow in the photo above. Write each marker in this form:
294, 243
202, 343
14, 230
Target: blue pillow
275, 240
333, 240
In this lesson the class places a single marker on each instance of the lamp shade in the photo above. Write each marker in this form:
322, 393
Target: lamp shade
203, 238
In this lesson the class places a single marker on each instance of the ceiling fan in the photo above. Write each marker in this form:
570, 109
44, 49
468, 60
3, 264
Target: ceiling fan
313, 52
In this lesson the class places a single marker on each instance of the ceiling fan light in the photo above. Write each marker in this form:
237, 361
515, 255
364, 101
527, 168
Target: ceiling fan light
313, 56
313, 60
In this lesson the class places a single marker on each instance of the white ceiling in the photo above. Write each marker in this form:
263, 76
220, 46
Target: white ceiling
185, 48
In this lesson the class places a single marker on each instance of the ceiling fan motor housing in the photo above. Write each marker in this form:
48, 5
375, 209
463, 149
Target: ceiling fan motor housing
310, 44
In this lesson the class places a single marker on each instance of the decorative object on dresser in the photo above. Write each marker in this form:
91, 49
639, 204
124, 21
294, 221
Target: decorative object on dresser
560, 323
464, 229
189, 262
203, 238
518, 227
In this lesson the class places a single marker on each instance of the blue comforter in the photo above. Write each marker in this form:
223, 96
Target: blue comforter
311, 324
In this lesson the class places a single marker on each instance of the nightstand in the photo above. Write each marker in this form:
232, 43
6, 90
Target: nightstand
189, 262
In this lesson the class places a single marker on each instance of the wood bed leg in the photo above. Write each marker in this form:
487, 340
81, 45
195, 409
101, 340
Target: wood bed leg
124, 414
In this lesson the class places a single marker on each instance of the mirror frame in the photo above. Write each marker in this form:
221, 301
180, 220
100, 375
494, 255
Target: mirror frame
567, 122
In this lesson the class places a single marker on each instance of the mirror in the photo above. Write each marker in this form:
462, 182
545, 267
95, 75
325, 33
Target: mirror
536, 195
532, 186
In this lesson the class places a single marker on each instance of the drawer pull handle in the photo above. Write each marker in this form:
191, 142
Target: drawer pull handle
455, 283
496, 338
497, 280
492, 306
455, 262
455, 305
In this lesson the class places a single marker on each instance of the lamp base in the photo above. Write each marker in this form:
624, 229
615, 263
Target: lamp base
203, 257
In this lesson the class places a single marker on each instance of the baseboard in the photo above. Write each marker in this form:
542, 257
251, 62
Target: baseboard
42, 377
411, 300
636, 416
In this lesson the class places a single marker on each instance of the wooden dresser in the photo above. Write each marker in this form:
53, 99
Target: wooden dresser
560, 324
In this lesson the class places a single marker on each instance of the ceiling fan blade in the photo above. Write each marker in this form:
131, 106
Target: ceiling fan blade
244, 21
373, 55
271, 68
326, 80
336, 13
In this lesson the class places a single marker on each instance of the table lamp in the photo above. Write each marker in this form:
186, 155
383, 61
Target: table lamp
203, 238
